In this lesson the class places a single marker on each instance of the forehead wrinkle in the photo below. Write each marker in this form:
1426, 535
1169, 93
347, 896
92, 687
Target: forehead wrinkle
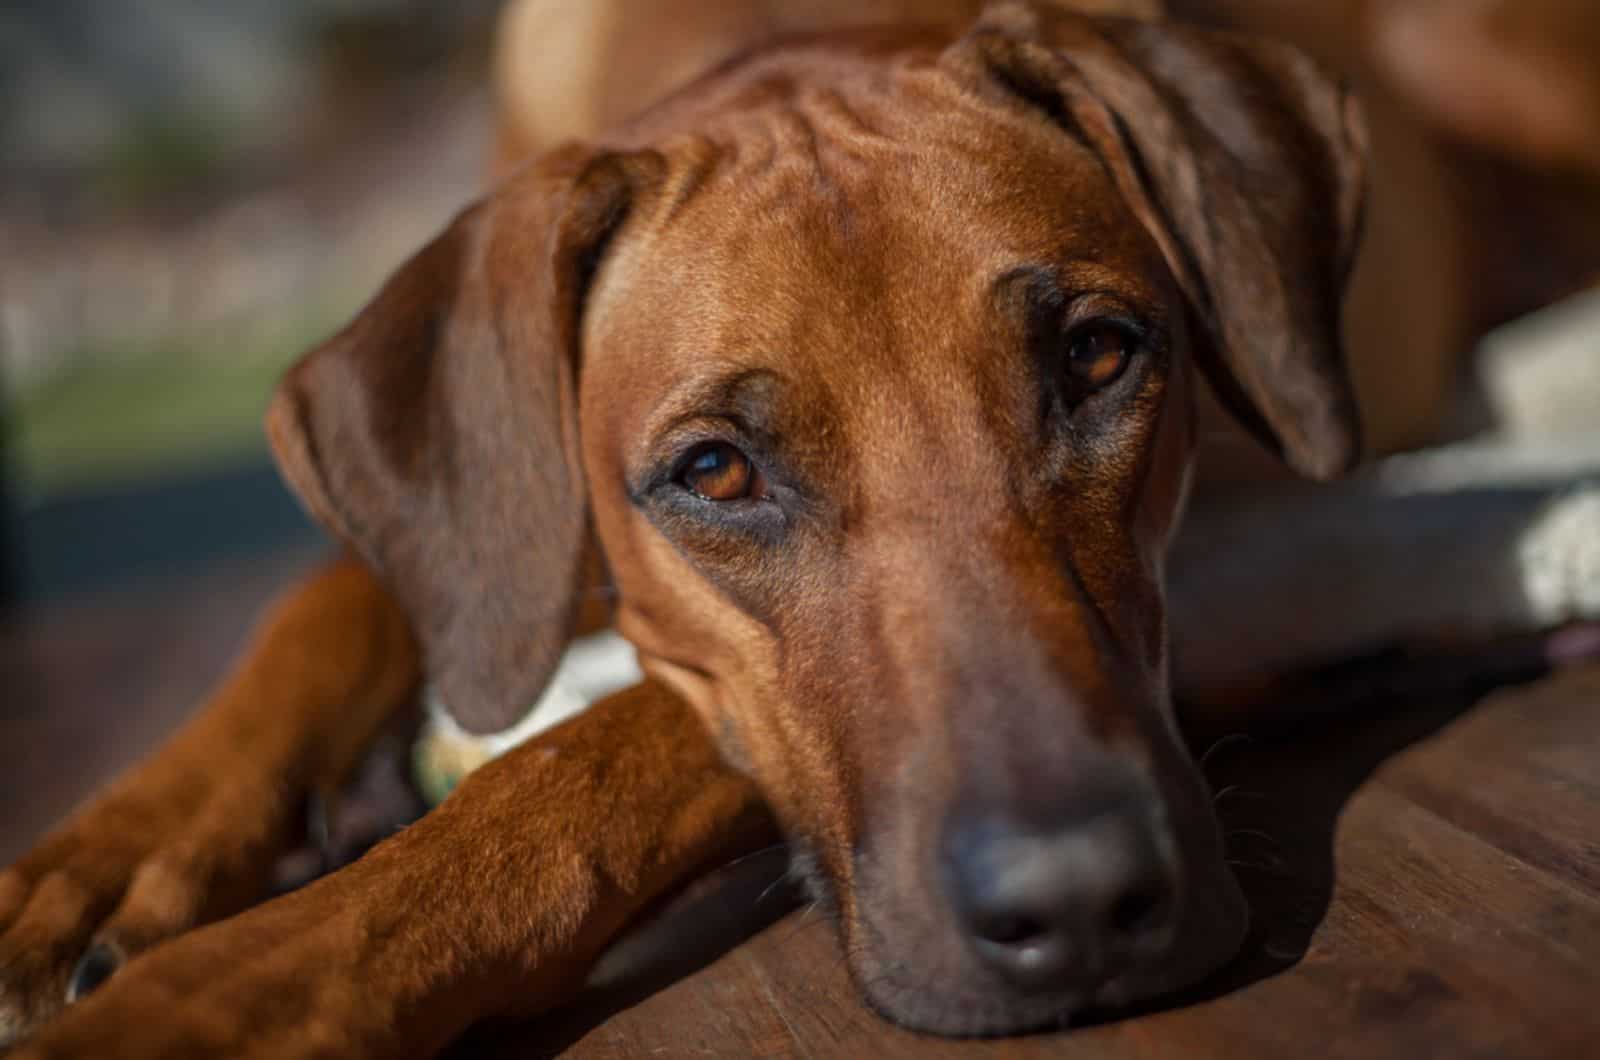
772, 155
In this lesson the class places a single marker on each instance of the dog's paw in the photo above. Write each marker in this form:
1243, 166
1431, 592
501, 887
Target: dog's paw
169, 847
330, 970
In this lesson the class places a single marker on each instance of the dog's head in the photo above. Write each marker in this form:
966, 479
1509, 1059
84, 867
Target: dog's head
871, 365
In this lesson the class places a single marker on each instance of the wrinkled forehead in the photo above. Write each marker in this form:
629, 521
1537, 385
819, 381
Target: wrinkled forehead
859, 242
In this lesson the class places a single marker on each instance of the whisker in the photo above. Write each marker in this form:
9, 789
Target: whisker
1235, 791
1255, 833
1223, 743
805, 919
841, 958
742, 858
766, 891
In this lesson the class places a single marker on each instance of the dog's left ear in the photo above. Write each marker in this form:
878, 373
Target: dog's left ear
437, 435
1245, 162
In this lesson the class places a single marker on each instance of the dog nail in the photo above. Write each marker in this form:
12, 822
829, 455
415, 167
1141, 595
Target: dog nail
96, 966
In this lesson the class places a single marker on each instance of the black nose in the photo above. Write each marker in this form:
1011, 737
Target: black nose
1065, 907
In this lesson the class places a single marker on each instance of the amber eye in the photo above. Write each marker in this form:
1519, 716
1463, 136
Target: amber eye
720, 472
1098, 353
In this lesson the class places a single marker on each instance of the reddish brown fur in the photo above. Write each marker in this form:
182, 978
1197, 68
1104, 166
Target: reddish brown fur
191, 834
832, 244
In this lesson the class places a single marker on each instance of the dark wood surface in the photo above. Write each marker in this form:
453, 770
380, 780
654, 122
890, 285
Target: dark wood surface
1423, 884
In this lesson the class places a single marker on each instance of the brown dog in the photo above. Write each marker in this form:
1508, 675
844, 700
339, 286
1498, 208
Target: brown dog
869, 365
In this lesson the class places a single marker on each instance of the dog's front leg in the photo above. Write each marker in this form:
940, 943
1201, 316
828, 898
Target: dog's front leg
495, 904
192, 833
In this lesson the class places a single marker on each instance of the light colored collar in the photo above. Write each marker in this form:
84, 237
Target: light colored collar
592, 668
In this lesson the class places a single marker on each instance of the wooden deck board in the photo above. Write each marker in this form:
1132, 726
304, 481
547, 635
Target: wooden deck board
1422, 884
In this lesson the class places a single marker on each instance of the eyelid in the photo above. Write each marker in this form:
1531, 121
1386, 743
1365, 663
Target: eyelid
687, 455
664, 452
1099, 306
1137, 334
684, 440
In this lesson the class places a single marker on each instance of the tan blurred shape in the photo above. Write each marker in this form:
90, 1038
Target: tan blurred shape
1519, 77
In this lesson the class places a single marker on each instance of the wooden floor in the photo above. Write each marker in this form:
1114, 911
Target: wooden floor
1426, 884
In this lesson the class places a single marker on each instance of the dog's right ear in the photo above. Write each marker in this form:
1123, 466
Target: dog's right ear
437, 434
1245, 163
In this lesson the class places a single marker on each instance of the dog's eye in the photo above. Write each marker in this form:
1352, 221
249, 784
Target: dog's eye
719, 472
1098, 353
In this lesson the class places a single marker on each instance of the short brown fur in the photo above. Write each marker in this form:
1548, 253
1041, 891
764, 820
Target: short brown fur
856, 254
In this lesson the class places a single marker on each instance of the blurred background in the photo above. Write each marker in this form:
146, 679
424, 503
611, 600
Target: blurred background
191, 194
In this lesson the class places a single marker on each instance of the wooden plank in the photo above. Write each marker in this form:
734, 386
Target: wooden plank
1524, 775
1440, 936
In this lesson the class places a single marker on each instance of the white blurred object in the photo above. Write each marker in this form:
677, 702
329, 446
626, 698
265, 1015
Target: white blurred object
1541, 374
592, 667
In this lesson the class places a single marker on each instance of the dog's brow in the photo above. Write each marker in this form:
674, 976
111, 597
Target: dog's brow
1033, 292
748, 396
1026, 290
1036, 298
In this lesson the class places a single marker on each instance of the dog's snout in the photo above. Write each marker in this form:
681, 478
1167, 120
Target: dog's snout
1065, 907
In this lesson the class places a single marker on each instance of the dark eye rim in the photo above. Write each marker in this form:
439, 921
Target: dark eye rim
686, 516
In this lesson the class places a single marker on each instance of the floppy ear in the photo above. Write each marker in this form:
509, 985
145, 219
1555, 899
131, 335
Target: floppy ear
1245, 163
437, 433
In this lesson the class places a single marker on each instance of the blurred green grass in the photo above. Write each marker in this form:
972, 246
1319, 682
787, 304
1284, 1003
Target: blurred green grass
161, 156
140, 412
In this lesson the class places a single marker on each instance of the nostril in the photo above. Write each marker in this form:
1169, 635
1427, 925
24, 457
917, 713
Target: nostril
1011, 930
